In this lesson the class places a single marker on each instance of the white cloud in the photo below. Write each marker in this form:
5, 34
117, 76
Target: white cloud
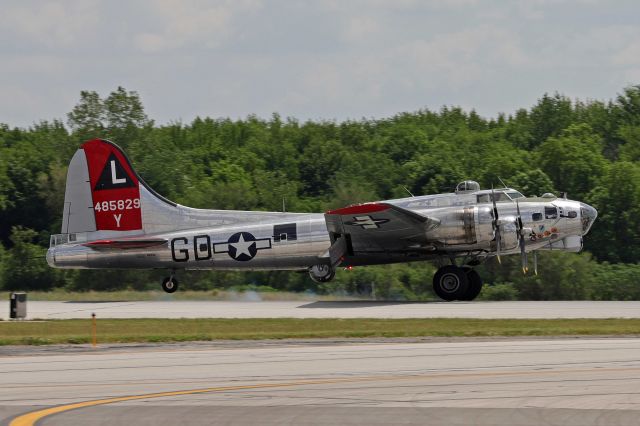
360, 28
629, 54
50, 24
180, 23
23, 64
314, 59
463, 57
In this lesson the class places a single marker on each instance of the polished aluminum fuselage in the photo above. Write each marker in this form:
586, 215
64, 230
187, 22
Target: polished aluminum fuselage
239, 240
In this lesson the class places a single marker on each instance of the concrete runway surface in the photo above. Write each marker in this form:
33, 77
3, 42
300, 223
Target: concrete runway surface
566, 382
341, 309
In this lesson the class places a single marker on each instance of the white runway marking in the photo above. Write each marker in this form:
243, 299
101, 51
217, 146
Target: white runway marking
360, 309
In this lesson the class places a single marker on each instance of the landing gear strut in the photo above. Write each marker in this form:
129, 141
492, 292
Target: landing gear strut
455, 283
170, 284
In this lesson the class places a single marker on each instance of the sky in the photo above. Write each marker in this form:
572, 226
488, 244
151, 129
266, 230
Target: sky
323, 59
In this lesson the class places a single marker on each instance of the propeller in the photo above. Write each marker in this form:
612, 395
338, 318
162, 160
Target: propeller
496, 225
521, 240
535, 262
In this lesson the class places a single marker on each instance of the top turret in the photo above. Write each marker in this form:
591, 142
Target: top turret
467, 186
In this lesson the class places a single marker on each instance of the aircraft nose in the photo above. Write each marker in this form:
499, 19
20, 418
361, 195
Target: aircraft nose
588, 215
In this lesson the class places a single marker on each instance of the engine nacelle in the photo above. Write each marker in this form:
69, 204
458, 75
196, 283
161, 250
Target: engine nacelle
466, 226
508, 233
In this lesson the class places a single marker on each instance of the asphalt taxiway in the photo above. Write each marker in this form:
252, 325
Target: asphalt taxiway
322, 309
481, 382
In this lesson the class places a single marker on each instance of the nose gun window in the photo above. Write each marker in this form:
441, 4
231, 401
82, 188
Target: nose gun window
550, 213
572, 214
586, 219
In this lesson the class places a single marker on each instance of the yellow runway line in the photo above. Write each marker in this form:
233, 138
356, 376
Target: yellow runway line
31, 418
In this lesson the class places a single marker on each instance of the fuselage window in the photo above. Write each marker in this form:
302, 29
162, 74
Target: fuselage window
285, 232
536, 216
550, 213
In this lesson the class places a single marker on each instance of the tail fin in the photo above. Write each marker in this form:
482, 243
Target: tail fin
105, 195
102, 192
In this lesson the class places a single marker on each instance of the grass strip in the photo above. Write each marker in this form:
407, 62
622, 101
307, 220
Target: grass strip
77, 331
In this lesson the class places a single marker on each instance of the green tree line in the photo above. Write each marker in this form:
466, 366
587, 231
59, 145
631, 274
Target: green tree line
589, 149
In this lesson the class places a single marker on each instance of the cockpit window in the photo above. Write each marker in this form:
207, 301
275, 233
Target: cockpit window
550, 213
500, 196
514, 194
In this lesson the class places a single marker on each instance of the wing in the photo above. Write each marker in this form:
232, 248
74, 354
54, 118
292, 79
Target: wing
375, 228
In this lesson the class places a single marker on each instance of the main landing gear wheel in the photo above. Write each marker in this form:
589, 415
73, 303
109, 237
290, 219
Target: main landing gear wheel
451, 283
475, 284
322, 273
170, 284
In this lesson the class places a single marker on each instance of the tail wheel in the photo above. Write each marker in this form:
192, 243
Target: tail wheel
451, 283
170, 284
475, 284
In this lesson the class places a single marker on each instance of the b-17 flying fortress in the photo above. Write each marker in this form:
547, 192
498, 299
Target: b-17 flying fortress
113, 219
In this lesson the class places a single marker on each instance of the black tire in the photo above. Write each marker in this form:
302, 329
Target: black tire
322, 273
450, 283
475, 284
170, 285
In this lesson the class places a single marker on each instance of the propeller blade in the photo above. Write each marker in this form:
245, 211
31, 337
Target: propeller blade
496, 226
535, 262
521, 241
523, 253
519, 218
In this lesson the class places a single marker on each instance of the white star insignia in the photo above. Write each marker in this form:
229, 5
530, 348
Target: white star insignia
367, 222
242, 246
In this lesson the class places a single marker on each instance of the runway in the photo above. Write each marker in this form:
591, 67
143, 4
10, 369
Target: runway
341, 309
525, 382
